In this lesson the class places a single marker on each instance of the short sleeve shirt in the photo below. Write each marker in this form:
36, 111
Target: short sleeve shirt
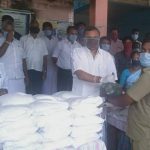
102, 65
12, 59
63, 53
139, 112
34, 51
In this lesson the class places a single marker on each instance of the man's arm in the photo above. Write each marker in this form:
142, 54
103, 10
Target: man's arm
82, 75
121, 101
6, 43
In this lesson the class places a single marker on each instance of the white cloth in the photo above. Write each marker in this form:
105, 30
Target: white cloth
103, 65
3, 80
63, 53
50, 84
65, 94
65, 142
34, 51
15, 85
13, 113
16, 99
12, 60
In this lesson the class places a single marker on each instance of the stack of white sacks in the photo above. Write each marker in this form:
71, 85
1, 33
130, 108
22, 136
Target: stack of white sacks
44, 122
53, 120
86, 112
17, 130
87, 123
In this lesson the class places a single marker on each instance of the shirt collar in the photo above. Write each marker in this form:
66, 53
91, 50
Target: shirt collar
98, 51
67, 41
38, 36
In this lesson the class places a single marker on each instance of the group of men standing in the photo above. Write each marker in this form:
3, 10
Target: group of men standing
39, 62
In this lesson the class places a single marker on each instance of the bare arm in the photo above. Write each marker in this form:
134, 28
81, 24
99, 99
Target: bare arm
6, 43
121, 101
87, 77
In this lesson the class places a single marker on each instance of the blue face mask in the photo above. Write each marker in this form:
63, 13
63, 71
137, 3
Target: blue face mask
72, 38
105, 47
145, 59
5, 33
135, 36
48, 32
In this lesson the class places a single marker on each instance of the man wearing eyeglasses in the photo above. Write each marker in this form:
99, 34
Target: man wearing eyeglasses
91, 65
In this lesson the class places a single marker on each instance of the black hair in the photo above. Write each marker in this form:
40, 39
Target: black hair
79, 24
135, 30
126, 38
70, 28
92, 28
7, 18
47, 24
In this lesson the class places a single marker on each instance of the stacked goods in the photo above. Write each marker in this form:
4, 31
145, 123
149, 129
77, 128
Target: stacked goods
45, 122
53, 121
87, 123
17, 130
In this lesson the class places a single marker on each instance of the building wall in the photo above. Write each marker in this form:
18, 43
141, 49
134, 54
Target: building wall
52, 11
46, 9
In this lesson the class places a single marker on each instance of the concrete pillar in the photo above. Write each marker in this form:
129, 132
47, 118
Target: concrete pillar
98, 15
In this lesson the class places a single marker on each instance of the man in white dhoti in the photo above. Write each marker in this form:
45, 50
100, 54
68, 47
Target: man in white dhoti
50, 84
11, 56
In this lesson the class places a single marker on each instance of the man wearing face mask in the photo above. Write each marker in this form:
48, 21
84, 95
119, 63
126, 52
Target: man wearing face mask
138, 99
50, 84
62, 57
91, 65
105, 43
7, 18
11, 57
137, 45
35, 60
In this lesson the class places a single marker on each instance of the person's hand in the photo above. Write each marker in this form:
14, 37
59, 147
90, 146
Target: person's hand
10, 36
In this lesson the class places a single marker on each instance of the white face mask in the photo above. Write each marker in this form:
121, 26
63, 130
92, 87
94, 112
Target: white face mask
145, 59
135, 36
48, 32
105, 47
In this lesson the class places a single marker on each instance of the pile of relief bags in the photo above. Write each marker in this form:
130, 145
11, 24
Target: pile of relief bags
45, 122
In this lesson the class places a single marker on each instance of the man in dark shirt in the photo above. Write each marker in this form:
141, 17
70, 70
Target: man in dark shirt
7, 18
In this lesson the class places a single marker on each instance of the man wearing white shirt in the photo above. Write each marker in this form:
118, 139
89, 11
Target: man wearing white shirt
116, 43
91, 65
62, 56
11, 56
35, 60
3, 85
50, 84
